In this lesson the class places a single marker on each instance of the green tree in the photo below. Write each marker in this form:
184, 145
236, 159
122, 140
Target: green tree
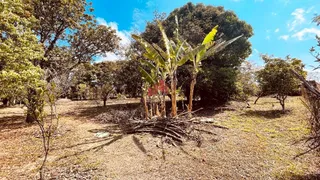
106, 78
69, 35
66, 30
167, 61
216, 80
19, 52
19, 49
196, 55
246, 81
128, 76
276, 77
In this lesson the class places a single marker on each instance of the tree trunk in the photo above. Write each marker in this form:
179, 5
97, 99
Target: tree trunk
46, 153
104, 102
163, 106
30, 117
173, 96
31, 108
5, 101
151, 109
157, 110
282, 100
282, 105
145, 106
192, 85
255, 102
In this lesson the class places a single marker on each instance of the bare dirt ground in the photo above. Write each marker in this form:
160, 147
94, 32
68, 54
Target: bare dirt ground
261, 143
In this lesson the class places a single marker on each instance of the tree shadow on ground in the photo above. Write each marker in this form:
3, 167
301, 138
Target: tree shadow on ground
13, 122
92, 112
211, 111
111, 128
268, 114
109, 141
139, 144
305, 177
267, 103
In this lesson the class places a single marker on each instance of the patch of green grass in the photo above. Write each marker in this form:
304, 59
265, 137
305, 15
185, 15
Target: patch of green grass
276, 132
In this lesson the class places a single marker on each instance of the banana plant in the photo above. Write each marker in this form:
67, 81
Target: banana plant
166, 61
150, 83
208, 48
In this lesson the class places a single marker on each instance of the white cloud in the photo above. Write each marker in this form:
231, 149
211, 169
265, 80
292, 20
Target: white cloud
101, 21
254, 54
138, 17
150, 4
285, 2
277, 30
284, 37
313, 75
124, 42
110, 57
310, 9
268, 37
306, 32
298, 18
273, 13
298, 14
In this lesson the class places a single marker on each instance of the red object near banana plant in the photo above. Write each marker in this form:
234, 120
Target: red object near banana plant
160, 87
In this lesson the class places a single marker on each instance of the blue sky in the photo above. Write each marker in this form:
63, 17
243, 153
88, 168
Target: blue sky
281, 27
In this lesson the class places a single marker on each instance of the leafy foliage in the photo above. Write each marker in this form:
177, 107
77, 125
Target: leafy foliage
19, 48
195, 22
276, 77
246, 81
21, 78
70, 35
128, 76
165, 62
208, 48
89, 81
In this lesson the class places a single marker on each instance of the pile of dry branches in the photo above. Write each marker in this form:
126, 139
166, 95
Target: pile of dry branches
178, 130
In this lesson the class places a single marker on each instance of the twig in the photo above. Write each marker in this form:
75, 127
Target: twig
192, 112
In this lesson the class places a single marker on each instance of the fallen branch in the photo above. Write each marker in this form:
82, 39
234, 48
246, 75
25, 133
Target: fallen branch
192, 112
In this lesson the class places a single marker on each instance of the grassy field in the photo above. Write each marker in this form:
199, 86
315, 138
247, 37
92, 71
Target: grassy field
261, 143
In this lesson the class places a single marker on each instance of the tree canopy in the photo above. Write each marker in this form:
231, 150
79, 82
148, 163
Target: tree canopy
19, 51
195, 21
54, 36
69, 34
276, 77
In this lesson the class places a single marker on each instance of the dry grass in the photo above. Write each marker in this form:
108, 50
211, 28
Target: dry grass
261, 143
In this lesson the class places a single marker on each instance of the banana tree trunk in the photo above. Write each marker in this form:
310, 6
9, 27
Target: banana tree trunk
173, 96
151, 107
163, 106
145, 105
192, 85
